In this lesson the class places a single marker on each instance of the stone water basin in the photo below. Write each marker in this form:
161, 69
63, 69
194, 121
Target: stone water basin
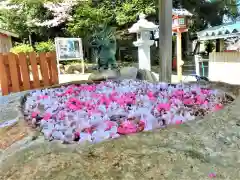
192, 150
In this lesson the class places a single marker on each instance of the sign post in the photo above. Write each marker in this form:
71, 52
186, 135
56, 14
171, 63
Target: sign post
69, 49
179, 26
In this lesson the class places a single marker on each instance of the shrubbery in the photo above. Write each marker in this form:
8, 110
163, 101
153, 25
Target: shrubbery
47, 46
25, 48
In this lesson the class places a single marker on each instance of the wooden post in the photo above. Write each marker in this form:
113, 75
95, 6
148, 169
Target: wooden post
217, 45
83, 66
179, 56
197, 68
165, 40
221, 45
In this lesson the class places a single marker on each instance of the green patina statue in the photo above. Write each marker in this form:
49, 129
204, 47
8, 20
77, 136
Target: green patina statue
105, 45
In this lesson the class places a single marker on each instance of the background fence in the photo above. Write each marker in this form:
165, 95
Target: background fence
27, 71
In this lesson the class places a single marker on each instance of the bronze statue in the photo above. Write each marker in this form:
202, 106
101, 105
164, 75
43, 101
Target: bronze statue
105, 45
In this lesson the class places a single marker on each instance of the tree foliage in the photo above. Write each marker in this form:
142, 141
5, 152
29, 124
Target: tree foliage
88, 16
123, 13
127, 11
19, 18
118, 13
49, 18
42, 18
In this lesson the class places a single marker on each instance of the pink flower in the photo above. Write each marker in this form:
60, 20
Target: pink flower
104, 100
42, 97
128, 100
93, 111
60, 95
163, 106
109, 124
206, 102
76, 135
74, 104
121, 102
127, 127
152, 98
205, 91
112, 98
88, 130
150, 94
218, 107
34, 114
188, 101
90, 88
107, 102
212, 175
114, 93
131, 95
90, 112
179, 93
62, 115
178, 122
94, 95
141, 126
200, 100
47, 116
87, 104
69, 91
73, 107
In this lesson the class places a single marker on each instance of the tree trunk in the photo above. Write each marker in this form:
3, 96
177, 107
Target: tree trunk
30, 39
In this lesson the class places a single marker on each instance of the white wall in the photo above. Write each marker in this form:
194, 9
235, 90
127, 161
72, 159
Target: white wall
225, 67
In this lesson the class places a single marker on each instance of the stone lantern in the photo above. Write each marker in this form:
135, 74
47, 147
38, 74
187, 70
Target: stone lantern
143, 29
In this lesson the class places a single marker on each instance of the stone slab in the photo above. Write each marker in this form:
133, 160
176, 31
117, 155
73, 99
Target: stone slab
128, 72
104, 75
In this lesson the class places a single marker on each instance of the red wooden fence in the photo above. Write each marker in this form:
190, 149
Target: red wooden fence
27, 71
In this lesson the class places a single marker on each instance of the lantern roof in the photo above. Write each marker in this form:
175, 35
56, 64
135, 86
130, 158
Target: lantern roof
181, 12
142, 25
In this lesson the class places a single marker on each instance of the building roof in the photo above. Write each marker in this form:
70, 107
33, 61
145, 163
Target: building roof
9, 33
220, 32
181, 12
